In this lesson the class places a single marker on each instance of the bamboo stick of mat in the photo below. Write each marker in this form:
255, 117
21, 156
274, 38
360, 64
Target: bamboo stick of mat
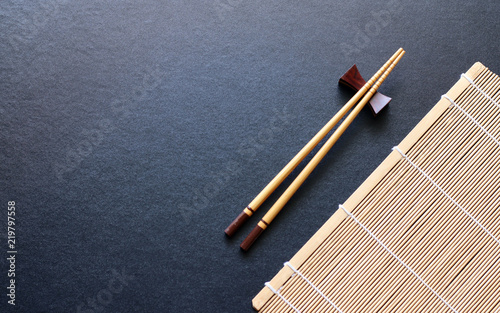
294, 186
278, 179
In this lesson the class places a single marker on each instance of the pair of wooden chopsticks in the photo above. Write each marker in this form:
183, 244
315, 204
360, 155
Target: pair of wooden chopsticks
367, 91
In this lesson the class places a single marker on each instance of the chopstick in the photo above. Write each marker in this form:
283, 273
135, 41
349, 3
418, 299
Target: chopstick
278, 179
294, 186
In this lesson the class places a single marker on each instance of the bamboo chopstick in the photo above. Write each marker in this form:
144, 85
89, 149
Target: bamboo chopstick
278, 179
294, 186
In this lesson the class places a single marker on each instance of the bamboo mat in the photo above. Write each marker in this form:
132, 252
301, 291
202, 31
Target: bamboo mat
422, 232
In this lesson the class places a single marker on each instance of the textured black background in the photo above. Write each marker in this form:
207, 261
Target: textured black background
133, 132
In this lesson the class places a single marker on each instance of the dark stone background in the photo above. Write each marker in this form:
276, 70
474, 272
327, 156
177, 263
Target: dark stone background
133, 132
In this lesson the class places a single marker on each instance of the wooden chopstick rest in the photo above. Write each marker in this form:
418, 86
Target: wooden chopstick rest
353, 79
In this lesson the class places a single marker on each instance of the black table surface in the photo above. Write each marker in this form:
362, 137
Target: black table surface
134, 132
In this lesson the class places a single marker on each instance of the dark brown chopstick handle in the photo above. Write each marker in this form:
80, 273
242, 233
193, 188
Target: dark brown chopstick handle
240, 220
247, 243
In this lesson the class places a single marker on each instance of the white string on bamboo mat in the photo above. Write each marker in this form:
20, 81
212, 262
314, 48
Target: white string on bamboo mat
312, 285
471, 118
444, 192
480, 90
276, 292
396, 257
